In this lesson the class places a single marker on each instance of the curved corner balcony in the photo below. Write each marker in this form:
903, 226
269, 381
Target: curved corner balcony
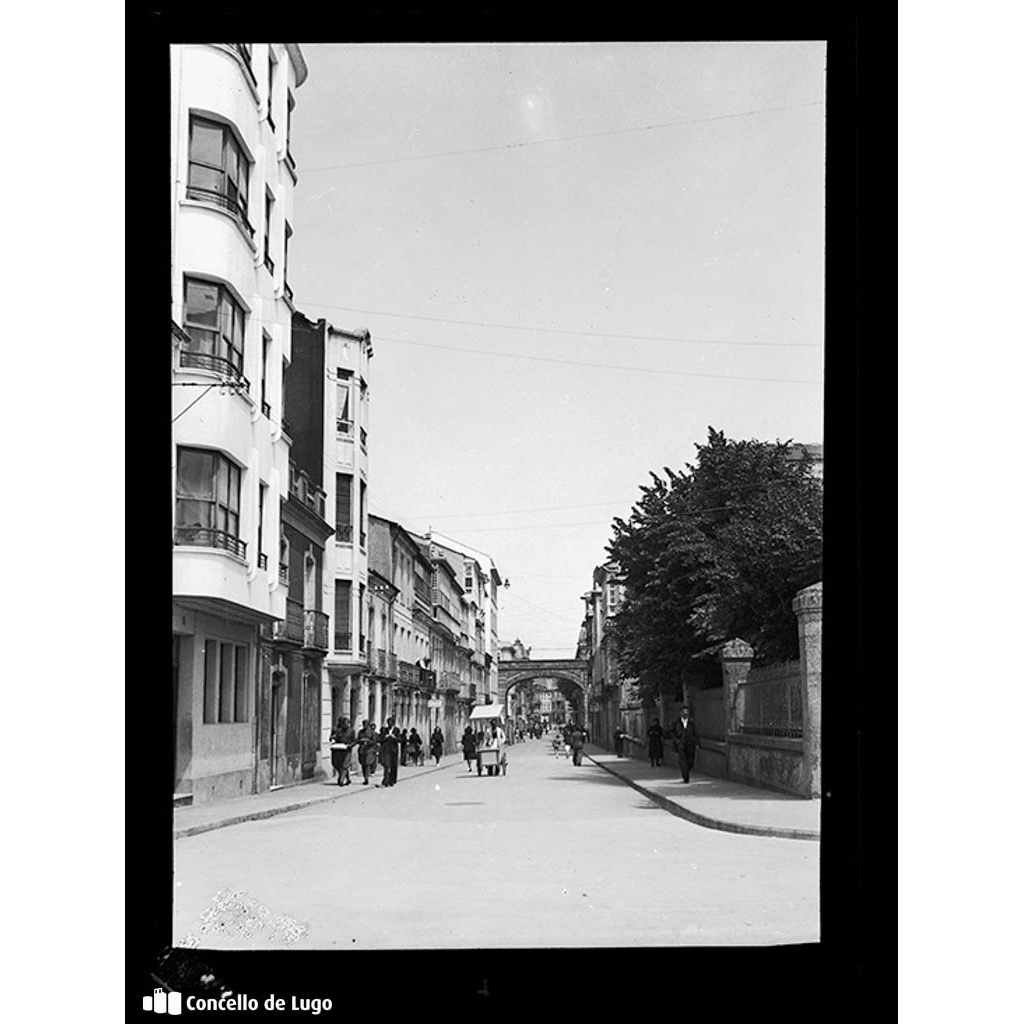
215, 364
203, 537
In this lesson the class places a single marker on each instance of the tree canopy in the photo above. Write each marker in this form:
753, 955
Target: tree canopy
714, 552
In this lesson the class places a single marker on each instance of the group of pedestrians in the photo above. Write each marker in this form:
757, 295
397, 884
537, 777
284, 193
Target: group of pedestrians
493, 738
389, 746
685, 742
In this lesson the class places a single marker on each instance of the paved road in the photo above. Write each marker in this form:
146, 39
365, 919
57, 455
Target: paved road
548, 855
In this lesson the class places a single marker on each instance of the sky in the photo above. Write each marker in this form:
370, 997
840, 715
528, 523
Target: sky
573, 259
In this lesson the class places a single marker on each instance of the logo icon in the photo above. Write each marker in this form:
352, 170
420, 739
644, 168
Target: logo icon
162, 1002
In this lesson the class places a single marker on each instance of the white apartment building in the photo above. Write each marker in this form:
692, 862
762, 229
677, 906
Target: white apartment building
232, 177
480, 571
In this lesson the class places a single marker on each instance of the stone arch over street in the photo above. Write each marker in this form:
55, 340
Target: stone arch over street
512, 673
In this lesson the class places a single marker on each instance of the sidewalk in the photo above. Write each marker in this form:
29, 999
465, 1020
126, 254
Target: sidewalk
191, 821
716, 803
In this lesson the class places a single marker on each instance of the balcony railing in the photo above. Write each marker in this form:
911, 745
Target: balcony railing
362, 437
261, 561
202, 537
217, 364
305, 490
428, 679
282, 572
286, 427
289, 294
408, 674
343, 641
291, 629
268, 263
225, 202
344, 426
314, 630
386, 664
343, 533
265, 407
362, 538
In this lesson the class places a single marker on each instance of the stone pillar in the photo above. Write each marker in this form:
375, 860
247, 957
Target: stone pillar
376, 704
807, 606
736, 657
364, 699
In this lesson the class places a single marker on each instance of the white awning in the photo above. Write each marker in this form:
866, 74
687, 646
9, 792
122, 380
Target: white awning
486, 712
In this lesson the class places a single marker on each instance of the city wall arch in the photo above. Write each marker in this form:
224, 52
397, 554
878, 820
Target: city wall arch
512, 673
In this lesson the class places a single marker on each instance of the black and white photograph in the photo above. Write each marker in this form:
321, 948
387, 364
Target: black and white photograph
497, 416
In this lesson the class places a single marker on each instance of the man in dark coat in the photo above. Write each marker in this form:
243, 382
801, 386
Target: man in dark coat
390, 741
576, 740
620, 735
343, 739
685, 741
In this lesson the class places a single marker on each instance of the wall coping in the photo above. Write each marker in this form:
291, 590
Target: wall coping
742, 739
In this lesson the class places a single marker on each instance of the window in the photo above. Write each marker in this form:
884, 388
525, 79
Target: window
264, 404
225, 683
344, 409
218, 169
261, 555
343, 508
215, 323
287, 239
207, 501
362, 513
268, 217
342, 615
271, 70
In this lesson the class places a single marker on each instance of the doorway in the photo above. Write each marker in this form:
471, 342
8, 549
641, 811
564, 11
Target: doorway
175, 671
276, 703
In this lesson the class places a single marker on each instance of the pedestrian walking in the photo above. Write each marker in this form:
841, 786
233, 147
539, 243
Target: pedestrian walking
403, 745
495, 741
655, 744
415, 746
686, 742
576, 740
390, 744
343, 739
469, 748
436, 744
368, 747
620, 736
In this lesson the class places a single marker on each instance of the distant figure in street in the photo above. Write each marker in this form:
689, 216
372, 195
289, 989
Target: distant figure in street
391, 741
576, 740
618, 740
343, 739
469, 748
655, 744
436, 744
686, 742
368, 745
403, 744
415, 746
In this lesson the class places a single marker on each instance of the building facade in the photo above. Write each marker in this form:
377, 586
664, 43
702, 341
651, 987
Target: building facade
232, 177
329, 419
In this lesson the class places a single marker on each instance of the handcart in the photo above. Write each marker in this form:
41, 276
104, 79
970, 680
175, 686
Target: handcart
494, 759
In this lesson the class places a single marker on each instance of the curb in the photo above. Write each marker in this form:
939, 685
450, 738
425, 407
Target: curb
702, 820
272, 812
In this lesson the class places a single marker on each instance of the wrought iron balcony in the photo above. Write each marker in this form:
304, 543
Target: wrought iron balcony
314, 632
386, 664
216, 364
362, 438
282, 572
265, 408
225, 202
203, 537
289, 631
261, 561
268, 263
344, 427
428, 679
408, 674
305, 490
286, 426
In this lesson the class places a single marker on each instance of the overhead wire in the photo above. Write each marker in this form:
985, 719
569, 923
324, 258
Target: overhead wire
562, 138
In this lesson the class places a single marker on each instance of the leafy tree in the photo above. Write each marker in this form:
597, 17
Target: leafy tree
715, 552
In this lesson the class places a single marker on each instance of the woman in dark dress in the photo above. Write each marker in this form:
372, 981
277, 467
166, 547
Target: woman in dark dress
342, 741
415, 746
403, 746
368, 746
436, 744
655, 744
469, 748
